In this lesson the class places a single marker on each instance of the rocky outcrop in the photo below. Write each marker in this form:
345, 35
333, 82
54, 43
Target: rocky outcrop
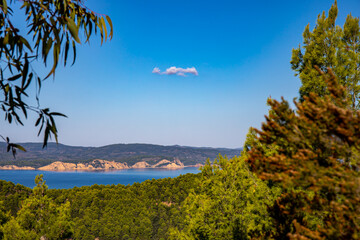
141, 165
59, 166
172, 166
161, 164
96, 164
13, 167
108, 165
178, 162
168, 164
198, 165
99, 165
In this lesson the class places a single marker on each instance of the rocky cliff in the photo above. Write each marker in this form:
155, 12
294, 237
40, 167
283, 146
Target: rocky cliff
96, 164
99, 165
13, 167
142, 164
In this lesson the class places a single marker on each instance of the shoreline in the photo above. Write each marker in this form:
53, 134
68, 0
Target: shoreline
54, 167
100, 170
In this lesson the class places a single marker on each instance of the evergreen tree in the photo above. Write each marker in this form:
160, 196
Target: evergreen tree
40, 216
348, 70
329, 46
316, 163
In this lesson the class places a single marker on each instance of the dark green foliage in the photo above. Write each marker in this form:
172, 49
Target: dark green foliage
12, 195
39, 217
139, 211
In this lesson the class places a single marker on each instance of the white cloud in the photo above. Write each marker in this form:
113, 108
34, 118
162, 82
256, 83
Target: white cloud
181, 74
175, 70
156, 70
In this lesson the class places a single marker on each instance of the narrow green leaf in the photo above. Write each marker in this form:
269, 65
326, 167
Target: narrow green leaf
13, 78
66, 51
99, 24
4, 8
46, 136
104, 27
74, 52
26, 43
9, 118
48, 46
58, 114
6, 39
25, 70
111, 26
38, 120
22, 106
39, 84
27, 83
73, 29
41, 127
19, 147
17, 118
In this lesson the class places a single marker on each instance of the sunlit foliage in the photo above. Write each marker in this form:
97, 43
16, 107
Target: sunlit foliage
39, 216
330, 46
231, 203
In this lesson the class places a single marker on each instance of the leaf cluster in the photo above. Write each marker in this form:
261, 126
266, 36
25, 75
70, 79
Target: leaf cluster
230, 203
53, 28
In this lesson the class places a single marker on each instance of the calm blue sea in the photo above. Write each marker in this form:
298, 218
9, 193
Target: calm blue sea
59, 180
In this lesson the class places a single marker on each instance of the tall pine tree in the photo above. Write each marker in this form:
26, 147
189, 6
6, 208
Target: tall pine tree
348, 70
329, 46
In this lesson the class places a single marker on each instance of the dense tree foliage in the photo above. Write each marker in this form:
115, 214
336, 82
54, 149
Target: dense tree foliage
39, 217
53, 27
13, 195
231, 203
139, 211
316, 163
330, 46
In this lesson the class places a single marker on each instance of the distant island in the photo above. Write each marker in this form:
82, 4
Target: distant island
59, 157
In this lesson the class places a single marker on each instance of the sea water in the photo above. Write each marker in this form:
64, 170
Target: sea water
62, 180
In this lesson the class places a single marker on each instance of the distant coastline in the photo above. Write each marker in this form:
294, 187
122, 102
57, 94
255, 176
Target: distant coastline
102, 165
59, 157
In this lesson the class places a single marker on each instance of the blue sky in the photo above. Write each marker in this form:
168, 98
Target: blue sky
240, 49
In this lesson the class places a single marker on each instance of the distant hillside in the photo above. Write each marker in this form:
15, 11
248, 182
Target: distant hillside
129, 153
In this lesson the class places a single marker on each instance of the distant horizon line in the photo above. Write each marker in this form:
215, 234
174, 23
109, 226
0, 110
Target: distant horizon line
174, 145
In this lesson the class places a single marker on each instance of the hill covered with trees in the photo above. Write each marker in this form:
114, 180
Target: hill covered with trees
36, 156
